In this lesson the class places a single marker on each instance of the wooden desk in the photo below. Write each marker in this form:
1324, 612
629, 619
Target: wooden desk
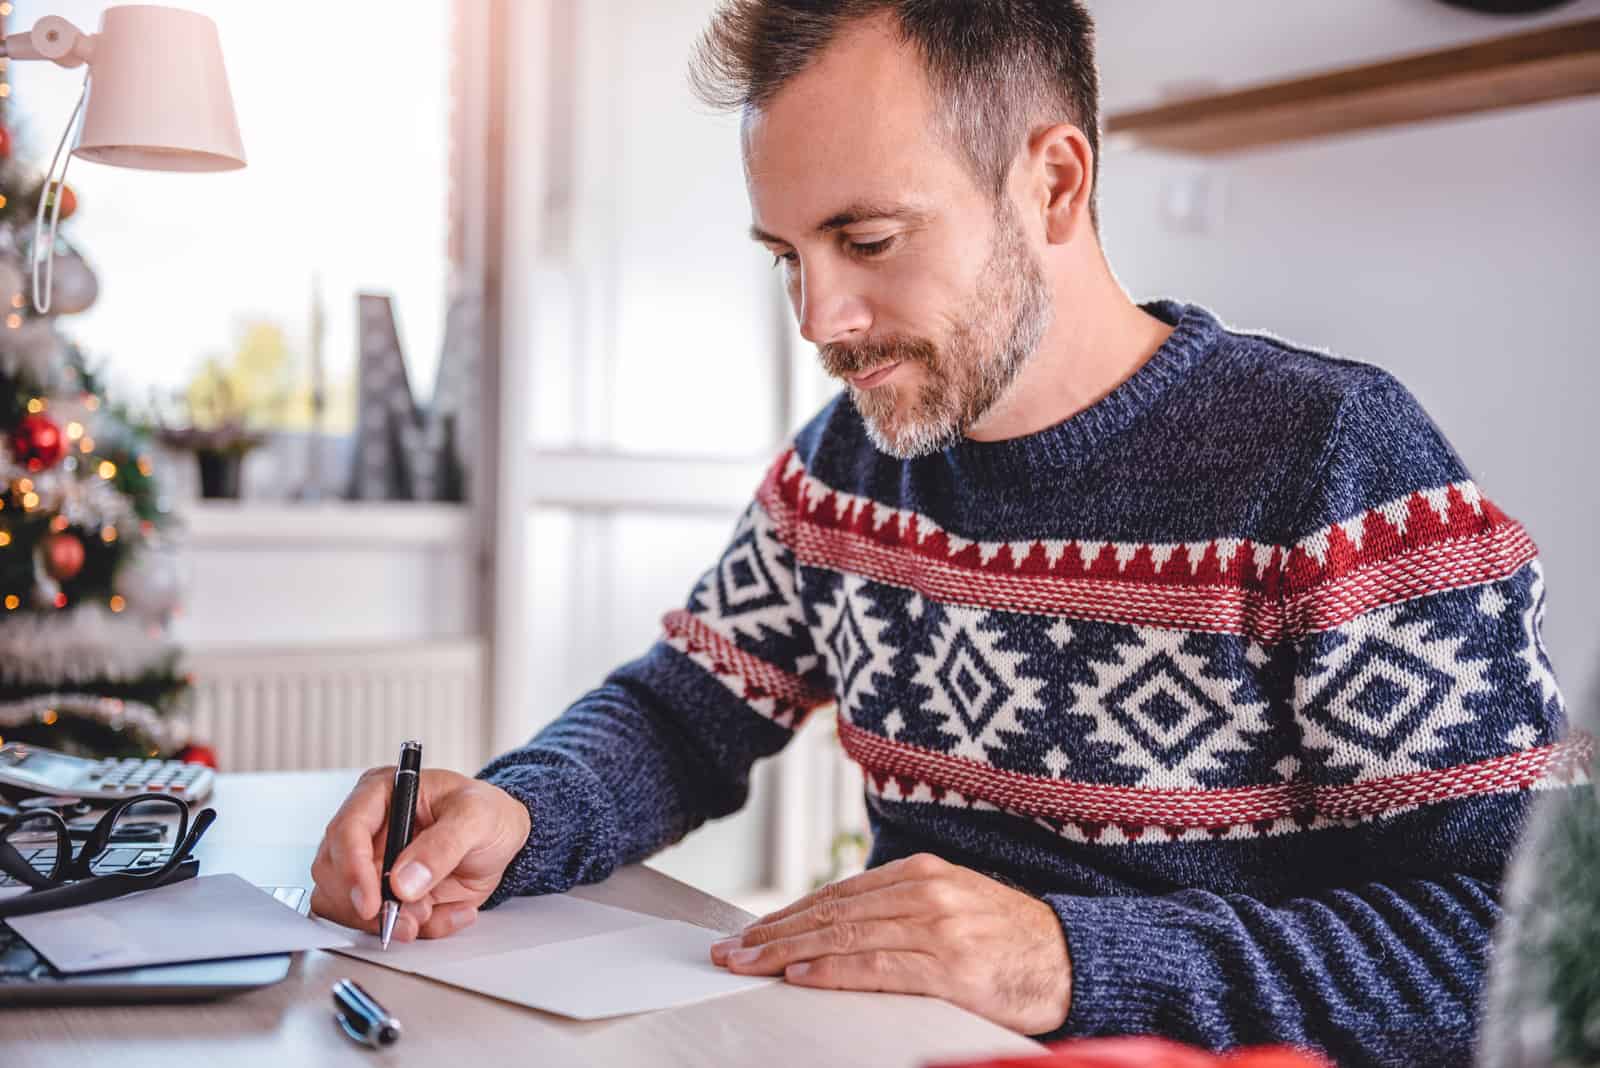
267, 829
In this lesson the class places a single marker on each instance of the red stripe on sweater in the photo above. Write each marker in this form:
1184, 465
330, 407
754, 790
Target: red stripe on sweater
758, 679
1271, 593
883, 758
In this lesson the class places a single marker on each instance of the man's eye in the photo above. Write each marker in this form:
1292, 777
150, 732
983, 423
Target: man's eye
868, 249
785, 257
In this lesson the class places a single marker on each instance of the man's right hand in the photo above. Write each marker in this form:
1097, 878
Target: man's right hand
465, 833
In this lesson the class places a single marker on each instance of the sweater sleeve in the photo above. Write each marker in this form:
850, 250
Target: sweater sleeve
1425, 712
667, 741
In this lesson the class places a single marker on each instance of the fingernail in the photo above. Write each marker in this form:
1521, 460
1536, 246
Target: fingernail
744, 956
358, 902
412, 879
796, 971
461, 918
718, 949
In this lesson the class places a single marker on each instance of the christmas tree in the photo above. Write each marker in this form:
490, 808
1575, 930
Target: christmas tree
88, 581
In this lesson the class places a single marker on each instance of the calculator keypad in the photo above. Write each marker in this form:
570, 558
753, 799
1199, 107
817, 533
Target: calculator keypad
131, 775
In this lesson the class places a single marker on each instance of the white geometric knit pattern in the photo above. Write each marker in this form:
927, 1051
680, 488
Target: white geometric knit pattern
1168, 715
1383, 698
974, 687
852, 644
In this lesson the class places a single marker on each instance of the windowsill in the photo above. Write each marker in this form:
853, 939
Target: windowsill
216, 524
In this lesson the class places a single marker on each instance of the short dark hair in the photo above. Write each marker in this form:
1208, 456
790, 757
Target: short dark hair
1002, 67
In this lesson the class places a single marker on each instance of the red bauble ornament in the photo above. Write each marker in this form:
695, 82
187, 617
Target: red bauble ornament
5, 142
63, 556
198, 754
69, 201
37, 442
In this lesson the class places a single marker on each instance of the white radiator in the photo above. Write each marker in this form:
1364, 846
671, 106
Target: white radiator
340, 707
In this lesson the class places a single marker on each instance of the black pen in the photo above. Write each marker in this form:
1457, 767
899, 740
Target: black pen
402, 810
362, 1018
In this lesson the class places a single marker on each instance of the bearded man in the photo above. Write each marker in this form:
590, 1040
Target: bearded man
1198, 689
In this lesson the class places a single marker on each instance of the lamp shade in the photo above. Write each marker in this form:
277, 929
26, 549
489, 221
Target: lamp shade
158, 94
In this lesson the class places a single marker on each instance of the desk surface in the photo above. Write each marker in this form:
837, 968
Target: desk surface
267, 830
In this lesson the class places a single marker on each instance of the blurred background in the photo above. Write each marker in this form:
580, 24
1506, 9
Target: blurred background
485, 364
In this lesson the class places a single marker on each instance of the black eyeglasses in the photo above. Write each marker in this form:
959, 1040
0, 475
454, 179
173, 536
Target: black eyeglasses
36, 850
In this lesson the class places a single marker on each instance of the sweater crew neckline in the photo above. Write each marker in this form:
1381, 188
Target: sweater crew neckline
1071, 442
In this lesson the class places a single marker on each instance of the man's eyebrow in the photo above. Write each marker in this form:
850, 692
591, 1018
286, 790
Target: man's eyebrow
862, 211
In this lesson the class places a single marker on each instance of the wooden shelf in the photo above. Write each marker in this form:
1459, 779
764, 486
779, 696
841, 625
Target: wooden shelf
1526, 68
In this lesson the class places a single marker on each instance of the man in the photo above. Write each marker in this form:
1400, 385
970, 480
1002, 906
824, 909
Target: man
1198, 689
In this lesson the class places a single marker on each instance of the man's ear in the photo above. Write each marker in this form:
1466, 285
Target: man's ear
1062, 174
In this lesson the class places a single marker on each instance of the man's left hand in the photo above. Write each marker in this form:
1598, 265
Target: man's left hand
919, 926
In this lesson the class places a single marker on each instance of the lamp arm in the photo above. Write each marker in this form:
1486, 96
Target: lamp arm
52, 38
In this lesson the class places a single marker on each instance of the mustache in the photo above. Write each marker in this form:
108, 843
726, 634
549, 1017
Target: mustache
845, 361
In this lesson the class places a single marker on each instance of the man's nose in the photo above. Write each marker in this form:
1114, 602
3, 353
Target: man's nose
830, 308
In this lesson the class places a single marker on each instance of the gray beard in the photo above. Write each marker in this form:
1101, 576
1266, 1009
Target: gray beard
999, 331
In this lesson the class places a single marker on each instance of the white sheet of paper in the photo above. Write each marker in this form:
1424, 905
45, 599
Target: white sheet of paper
520, 923
566, 955
658, 966
208, 918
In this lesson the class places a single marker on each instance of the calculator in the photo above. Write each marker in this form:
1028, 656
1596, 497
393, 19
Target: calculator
45, 771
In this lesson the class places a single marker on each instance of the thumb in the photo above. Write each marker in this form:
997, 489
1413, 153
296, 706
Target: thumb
435, 852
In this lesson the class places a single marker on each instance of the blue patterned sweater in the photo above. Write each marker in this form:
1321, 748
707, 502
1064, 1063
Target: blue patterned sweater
1237, 669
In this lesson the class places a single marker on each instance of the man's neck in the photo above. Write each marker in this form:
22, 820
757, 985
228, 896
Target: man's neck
1096, 341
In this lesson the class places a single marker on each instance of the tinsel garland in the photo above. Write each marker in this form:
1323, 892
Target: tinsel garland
90, 503
90, 724
88, 645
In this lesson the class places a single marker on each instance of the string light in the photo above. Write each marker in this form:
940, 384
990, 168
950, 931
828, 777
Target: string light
25, 485
108, 470
30, 501
108, 534
58, 524
86, 445
92, 403
35, 405
74, 430
5, 538
13, 320
12, 601
18, 300
48, 717
146, 468
117, 603
61, 600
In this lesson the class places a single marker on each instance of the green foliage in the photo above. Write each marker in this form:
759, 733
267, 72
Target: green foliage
1571, 949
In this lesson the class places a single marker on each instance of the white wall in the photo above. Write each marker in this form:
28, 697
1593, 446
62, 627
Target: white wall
1463, 256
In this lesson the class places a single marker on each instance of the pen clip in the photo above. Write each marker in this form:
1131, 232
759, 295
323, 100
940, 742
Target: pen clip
344, 1023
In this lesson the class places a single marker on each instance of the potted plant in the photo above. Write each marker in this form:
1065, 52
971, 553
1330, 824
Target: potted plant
219, 413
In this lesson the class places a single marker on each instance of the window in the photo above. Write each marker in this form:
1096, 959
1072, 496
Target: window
343, 109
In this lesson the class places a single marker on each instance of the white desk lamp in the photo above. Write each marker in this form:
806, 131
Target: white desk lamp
160, 101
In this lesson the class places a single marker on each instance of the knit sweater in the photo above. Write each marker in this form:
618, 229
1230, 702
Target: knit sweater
1237, 669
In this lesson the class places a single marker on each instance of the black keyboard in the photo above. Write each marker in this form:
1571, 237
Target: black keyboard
118, 858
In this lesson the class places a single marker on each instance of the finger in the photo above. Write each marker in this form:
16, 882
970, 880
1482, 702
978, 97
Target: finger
891, 902
908, 869
840, 939
888, 971
413, 915
436, 851
337, 908
352, 866
448, 919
